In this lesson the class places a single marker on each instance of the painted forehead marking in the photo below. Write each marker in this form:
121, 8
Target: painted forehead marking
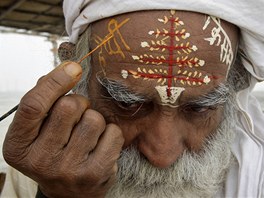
115, 45
170, 39
226, 54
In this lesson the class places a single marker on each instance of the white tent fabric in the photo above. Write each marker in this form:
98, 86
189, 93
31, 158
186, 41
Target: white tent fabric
246, 179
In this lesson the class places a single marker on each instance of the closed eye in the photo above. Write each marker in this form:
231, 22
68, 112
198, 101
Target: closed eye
128, 106
197, 108
135, 109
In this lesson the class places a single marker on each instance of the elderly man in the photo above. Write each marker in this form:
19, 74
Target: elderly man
162, 108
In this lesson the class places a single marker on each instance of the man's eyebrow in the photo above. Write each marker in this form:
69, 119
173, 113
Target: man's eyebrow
120, 92
217, 96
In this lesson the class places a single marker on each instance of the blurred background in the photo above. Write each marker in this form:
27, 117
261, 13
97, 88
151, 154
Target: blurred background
30, 33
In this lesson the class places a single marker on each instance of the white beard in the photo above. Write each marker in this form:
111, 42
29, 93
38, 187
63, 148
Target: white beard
192, 175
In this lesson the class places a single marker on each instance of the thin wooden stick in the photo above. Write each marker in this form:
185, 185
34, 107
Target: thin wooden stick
108, 37
89, 53
8, 113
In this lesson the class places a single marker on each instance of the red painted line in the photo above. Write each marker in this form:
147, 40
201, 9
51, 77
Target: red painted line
178, 78
169, 34
170, 47
185, 62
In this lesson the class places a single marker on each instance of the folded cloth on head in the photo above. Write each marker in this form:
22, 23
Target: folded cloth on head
247, 180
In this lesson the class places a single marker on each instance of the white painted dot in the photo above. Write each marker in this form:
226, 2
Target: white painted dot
194, 48
151, 32
201, 62
124, 74
135, 57
144, 44
206, 80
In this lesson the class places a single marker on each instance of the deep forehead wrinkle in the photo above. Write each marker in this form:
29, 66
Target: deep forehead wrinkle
119, 91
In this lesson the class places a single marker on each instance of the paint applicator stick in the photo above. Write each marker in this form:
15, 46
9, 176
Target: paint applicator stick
8, 113
107, 38
97, 47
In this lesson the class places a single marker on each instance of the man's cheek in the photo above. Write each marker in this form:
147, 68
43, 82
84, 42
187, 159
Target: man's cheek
202, 129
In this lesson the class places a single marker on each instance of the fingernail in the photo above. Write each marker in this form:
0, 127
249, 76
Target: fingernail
73, 69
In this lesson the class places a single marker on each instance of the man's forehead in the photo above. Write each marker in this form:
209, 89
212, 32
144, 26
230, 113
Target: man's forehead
175, 51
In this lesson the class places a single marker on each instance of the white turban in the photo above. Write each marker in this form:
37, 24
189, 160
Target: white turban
246, 180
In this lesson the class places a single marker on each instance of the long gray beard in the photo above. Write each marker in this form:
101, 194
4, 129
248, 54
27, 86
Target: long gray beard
192, 175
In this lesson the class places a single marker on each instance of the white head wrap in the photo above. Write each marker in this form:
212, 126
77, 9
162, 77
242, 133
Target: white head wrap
246, 180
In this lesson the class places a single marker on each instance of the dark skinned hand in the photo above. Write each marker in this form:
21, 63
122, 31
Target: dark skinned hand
59, 142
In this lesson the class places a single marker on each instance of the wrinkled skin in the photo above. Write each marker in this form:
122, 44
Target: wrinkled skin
161, 132
60, 142
70, 147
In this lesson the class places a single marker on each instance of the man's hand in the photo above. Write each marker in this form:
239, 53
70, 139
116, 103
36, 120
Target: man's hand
59, 142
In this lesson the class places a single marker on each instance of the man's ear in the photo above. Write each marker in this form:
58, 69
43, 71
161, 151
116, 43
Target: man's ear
67, 51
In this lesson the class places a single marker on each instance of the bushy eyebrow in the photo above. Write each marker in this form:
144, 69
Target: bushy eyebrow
120, 92
218, 96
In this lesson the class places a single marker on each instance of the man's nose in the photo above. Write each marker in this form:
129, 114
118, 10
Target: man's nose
161, 141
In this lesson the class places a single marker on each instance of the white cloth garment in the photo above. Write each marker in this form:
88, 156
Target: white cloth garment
18, 185
246, 180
